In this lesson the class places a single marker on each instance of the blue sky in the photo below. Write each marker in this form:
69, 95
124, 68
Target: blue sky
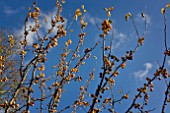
145, 60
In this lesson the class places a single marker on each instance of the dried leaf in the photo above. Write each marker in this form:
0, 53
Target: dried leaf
71, 30
111, 9
127, 16
142, 15
167, 5
163, 11
77, 13
82, 6
105, 9
108, 14
110, 21
95, 57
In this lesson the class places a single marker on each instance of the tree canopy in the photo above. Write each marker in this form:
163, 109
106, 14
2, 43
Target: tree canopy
74, 58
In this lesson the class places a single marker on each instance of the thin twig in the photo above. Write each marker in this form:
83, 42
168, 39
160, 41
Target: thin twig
166, 97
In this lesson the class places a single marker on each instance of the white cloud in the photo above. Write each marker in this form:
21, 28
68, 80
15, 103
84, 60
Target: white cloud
118, 40
9, 10
91, 19
119, 37
140, 19
148, 18
142, 73
168, 62
31, 38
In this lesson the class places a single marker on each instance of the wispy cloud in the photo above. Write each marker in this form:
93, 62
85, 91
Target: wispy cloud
140, 19
91, 19
168, 62
31, 36
9, 10
45, 22
118, 39
148, 18
142, 73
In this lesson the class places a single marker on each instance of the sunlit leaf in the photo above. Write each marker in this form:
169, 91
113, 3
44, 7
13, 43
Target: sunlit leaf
111, 9
79, 14
1, 57
37, 9
95, 57
110, 21
78, 11
108, 14
75, 17
142, 15
82, 6
105, 9
163, 11
63, 1
127, 16
167, 5
71, 30
10, 36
